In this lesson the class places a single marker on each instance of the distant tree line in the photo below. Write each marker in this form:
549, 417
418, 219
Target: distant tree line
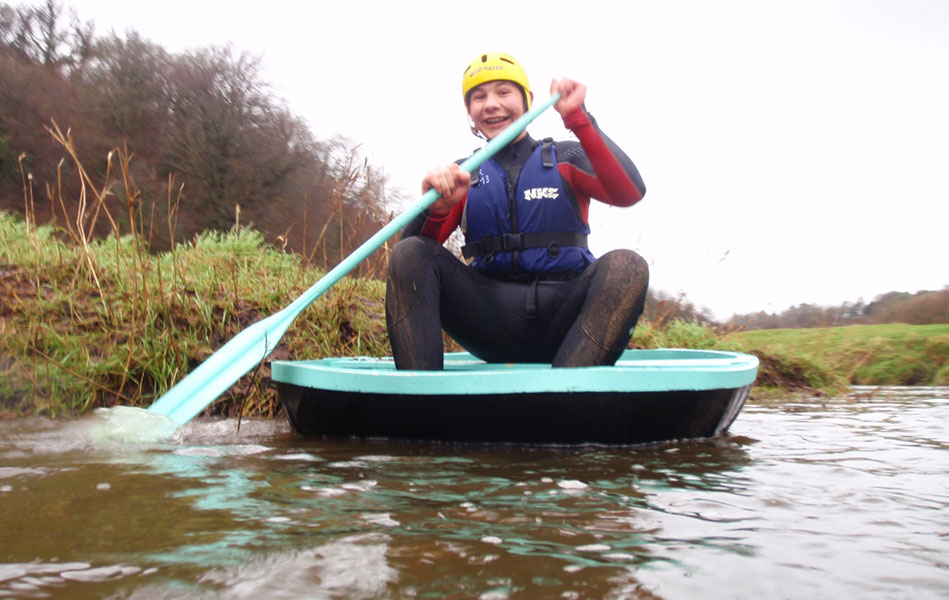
204, 133
920, 308
202, 138
661, 307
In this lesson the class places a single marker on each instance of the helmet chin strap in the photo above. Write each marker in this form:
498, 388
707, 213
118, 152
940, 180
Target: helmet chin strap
475, 130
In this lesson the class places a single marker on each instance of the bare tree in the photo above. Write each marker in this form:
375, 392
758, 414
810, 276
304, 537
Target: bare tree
204, 118
228, 135
41, 35
125, 87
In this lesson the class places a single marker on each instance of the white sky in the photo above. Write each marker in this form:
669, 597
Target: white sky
793, 150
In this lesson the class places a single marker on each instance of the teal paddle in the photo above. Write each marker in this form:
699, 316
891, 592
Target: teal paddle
234, 359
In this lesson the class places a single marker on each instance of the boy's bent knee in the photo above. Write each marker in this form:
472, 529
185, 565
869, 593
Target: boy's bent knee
411, 249
412, 256
624, 265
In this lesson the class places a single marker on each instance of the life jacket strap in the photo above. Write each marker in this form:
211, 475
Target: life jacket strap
545, 152
509, 242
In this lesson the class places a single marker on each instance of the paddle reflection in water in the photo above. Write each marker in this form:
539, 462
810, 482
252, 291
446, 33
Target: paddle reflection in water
817, 497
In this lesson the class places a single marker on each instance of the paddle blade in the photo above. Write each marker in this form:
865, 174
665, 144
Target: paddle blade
222, 369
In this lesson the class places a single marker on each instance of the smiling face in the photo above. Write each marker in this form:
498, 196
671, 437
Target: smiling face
494, 105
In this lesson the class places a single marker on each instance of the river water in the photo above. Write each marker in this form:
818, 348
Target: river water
813, 498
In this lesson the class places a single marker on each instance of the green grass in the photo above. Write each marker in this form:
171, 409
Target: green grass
781, 370
824, 360
105, 323
892, 354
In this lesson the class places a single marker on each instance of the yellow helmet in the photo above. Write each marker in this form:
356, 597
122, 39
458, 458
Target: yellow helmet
495, 66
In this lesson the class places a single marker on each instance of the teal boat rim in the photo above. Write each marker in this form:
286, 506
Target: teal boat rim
666, 369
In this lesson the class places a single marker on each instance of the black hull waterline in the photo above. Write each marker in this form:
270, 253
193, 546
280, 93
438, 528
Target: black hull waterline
574, 418
648, 396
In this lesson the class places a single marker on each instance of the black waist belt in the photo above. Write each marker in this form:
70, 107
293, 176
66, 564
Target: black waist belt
534, 276
522, 241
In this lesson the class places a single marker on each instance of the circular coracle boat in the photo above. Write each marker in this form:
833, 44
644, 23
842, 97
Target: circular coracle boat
647, 396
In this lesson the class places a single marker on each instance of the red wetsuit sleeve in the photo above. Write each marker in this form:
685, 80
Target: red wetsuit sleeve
609, 175
440, 227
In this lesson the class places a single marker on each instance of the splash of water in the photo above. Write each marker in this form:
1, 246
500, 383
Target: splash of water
128, 424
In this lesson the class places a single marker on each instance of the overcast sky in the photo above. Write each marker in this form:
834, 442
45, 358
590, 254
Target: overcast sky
794, 151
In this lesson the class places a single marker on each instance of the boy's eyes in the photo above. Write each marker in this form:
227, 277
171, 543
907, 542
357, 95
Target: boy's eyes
501, 91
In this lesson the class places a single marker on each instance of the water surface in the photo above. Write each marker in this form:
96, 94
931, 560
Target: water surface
817, 498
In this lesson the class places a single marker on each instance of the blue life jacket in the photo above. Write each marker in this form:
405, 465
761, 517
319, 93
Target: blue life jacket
537, 230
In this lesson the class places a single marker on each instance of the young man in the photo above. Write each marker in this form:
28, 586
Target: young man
533, 292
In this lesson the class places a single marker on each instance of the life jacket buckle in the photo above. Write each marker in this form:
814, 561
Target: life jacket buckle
553, 250
512, 241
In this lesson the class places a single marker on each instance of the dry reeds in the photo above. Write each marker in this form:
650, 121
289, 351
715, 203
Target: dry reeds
89, 321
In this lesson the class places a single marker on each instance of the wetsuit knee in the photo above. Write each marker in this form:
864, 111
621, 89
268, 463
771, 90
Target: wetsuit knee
412, 250
412, 305
625, 260
625, 267
612, 306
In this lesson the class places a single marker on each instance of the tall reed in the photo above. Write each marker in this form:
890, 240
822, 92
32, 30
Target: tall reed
96, 321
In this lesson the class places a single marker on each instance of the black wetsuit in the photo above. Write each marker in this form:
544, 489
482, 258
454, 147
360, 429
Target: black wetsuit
521, 317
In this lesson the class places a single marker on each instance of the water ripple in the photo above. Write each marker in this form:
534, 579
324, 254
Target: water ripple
811, 497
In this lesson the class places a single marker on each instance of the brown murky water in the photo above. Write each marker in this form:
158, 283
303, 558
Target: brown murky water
803, 499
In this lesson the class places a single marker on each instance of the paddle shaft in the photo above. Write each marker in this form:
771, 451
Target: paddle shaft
234, 359
397, 224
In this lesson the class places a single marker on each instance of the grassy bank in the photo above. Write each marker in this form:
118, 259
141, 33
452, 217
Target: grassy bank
892, 354
782, 369
822, 360
103, 322
99, 323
